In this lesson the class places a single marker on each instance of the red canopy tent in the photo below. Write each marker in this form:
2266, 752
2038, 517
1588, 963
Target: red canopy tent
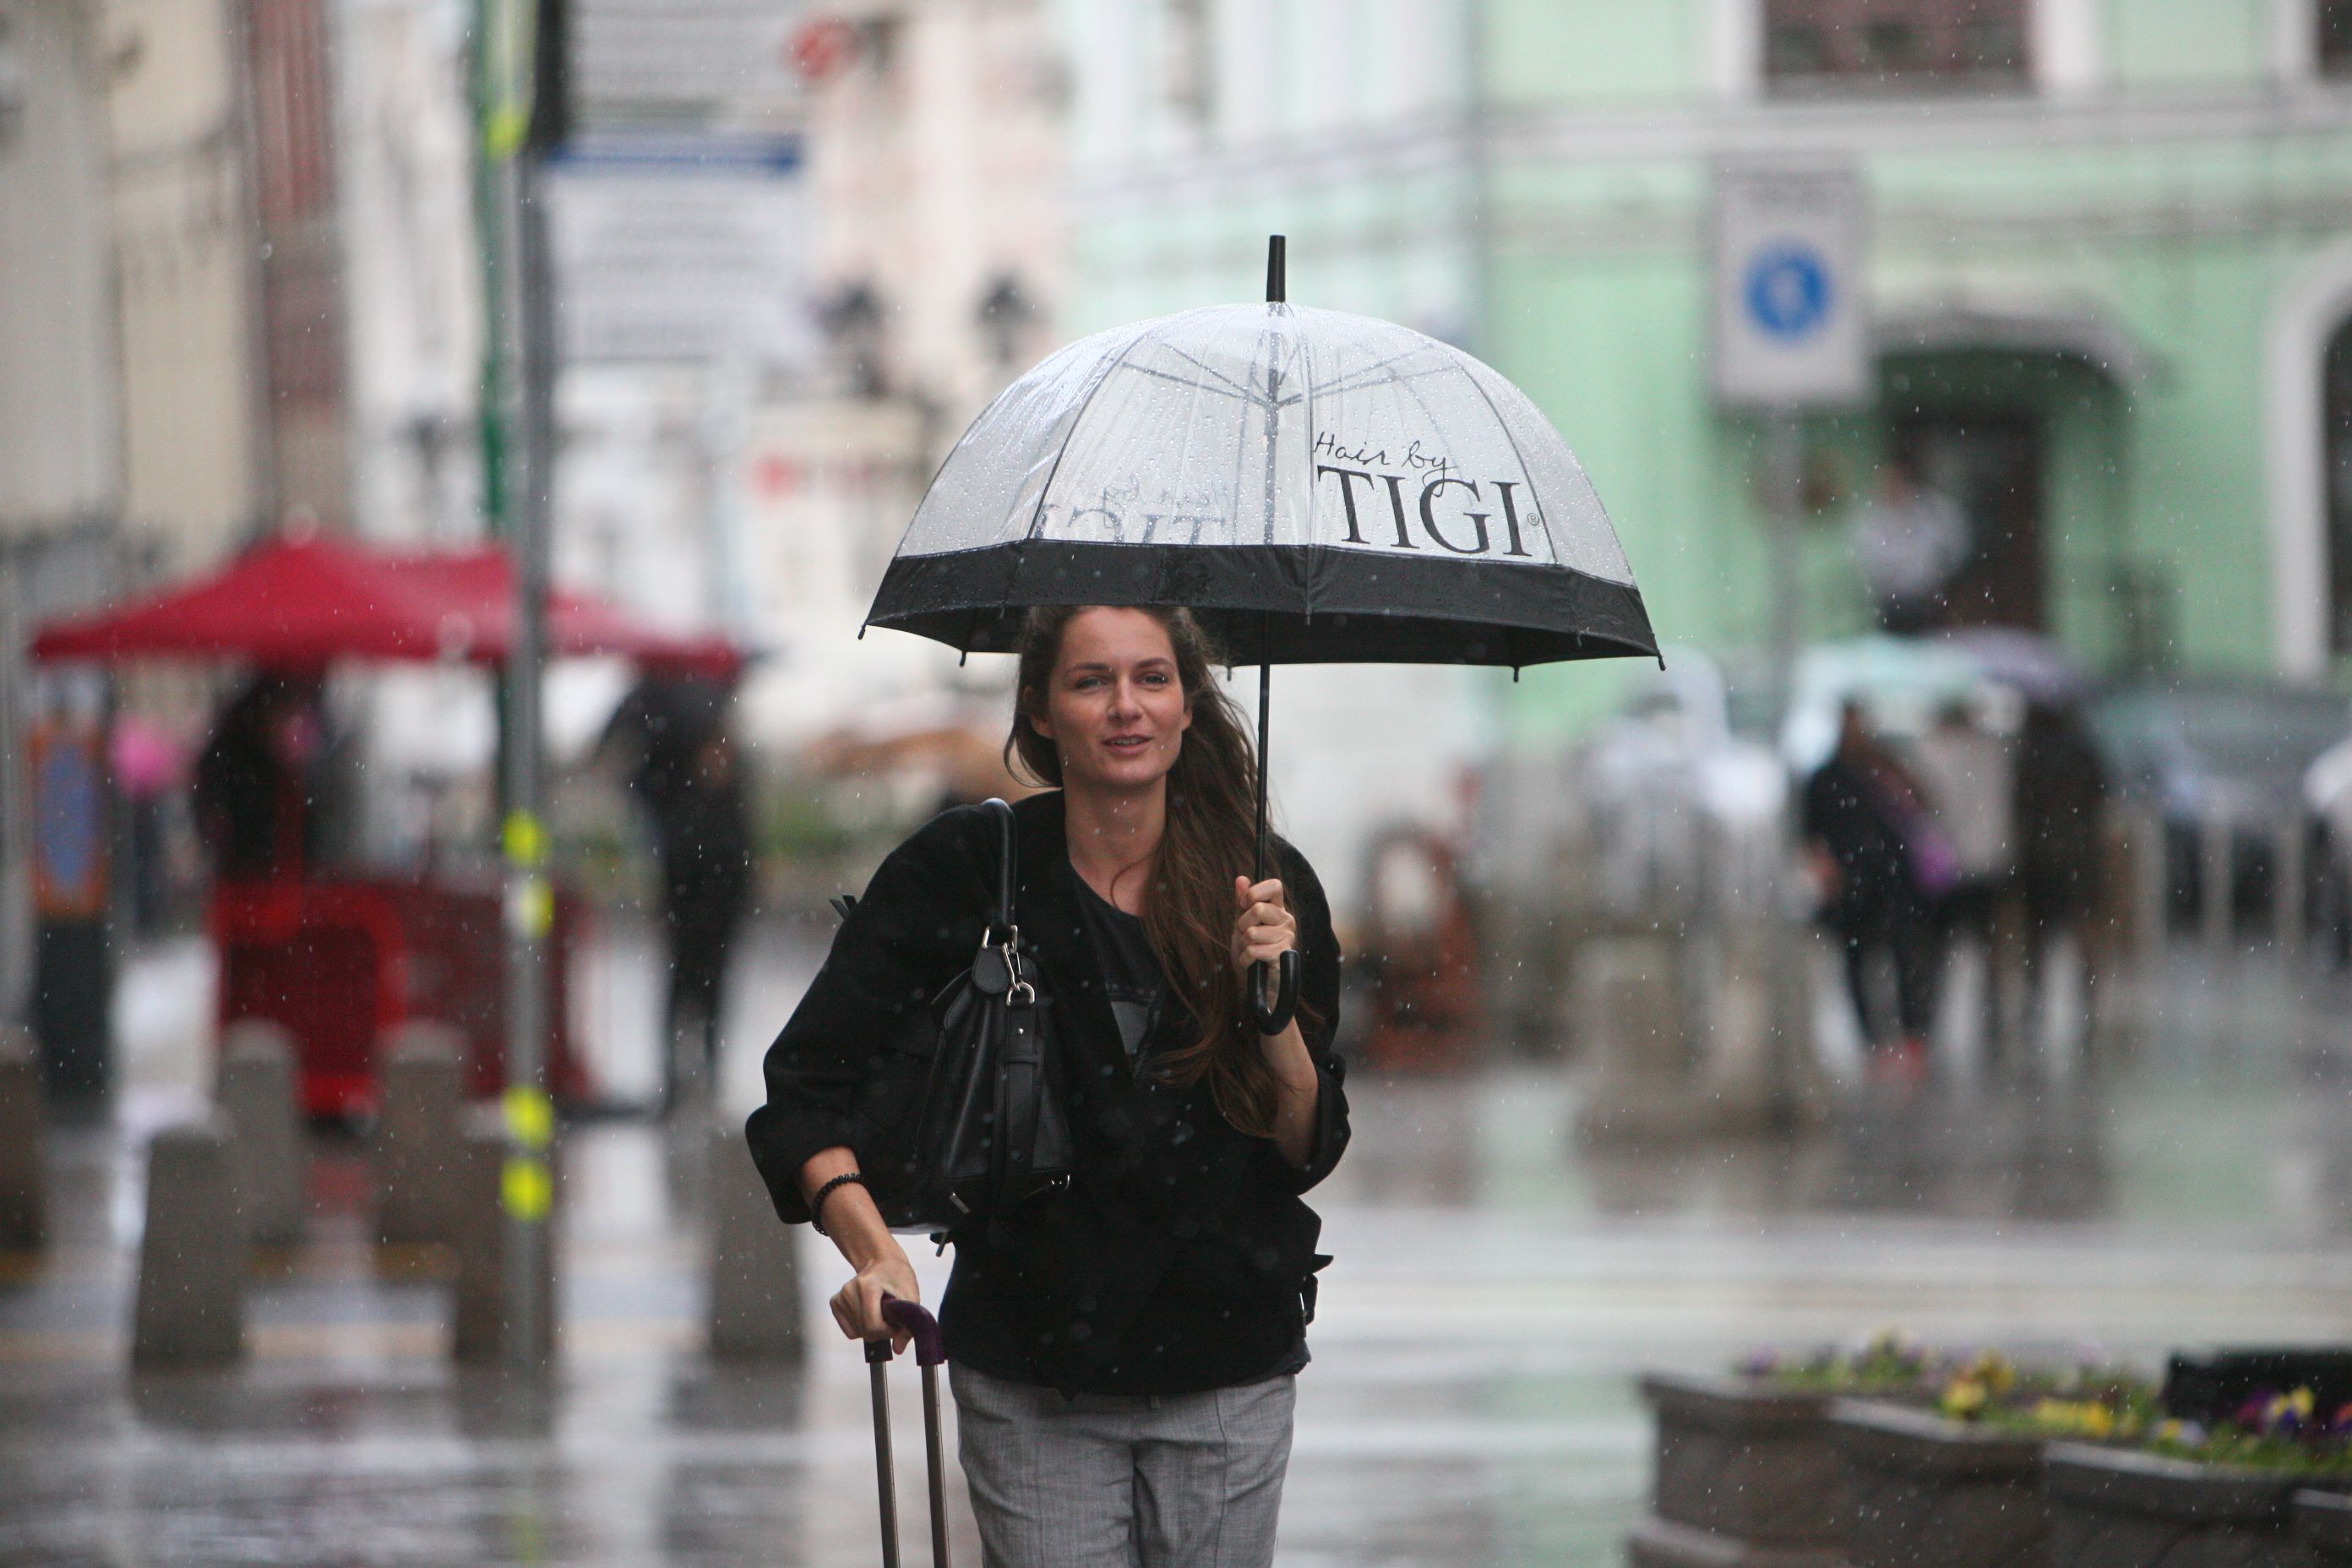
301, 601
340, 960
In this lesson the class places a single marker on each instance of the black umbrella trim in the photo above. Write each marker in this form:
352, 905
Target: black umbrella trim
1278, 603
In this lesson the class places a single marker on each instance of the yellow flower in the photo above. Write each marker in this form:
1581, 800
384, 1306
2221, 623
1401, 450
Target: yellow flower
1993, 1370
1963, 1397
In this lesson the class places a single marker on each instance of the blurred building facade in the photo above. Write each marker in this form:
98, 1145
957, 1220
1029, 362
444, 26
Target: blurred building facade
60, 391
61, 488
936, 265
2108, 265
197, 458
411, 270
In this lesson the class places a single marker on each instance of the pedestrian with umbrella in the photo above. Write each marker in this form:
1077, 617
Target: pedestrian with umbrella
1253, 484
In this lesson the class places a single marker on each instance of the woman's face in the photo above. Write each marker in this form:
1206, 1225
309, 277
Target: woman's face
1114, 707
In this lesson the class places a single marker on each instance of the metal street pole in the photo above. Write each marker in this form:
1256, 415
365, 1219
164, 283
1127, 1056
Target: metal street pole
1783, 435
521, 43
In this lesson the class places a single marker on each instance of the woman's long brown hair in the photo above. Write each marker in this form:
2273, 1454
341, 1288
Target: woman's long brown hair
1188, 907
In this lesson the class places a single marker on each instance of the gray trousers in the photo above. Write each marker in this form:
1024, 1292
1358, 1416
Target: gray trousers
1184, 1480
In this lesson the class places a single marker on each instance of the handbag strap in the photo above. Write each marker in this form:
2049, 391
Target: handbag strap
1008, 863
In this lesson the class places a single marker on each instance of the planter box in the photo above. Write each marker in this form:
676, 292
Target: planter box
2322, 1523
2114, 1509
1746, 1478
1924, 1492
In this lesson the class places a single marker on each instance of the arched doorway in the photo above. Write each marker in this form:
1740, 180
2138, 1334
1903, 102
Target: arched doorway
1987, 458
2017, 430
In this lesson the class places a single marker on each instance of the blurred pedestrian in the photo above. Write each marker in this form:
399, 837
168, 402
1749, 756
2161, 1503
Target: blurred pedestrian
151, 767
1910, 540
707, 863
1966, 774
1122, 1350
2061, 801
687, 774
1875, 862
260, 783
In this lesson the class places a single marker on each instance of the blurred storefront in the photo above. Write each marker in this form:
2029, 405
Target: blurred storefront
2109, 266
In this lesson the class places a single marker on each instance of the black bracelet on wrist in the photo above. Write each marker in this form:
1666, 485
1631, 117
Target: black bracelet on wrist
816, 1202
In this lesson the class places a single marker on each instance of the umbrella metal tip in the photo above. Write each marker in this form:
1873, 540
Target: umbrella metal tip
1277, 285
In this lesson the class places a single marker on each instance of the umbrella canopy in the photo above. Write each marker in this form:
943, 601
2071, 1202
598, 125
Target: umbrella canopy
299, 600
1318, 486
1315, 487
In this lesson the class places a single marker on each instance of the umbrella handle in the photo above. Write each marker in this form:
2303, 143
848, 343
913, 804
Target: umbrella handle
1272, 1019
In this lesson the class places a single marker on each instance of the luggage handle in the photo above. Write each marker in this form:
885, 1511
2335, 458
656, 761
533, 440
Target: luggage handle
931, 1348
931, 1354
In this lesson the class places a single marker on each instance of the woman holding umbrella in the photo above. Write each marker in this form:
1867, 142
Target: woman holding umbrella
1308, 487
1122, 1352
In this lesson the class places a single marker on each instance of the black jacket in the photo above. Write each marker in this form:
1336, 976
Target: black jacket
1843, 813
1181, 1257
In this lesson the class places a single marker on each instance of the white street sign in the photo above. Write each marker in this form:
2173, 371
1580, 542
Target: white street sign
1789, 331
698, 64
686, 255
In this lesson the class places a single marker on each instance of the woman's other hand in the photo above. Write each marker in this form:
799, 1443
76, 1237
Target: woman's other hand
1263, 930
867, 1245
858, 1306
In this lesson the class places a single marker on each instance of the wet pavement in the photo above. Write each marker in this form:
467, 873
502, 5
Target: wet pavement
1496, 1285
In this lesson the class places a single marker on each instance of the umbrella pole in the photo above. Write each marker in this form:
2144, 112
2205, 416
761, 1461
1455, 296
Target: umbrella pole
1272, 1017
1264, 702
1277, 291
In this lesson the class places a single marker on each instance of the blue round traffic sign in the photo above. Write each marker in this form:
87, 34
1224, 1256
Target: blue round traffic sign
1788, 289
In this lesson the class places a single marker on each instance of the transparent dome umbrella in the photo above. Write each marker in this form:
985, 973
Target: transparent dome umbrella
1315, 487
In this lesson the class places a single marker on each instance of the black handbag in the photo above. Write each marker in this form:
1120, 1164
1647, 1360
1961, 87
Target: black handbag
962, 1123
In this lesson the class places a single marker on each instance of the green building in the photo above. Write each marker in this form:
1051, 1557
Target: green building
2107, 269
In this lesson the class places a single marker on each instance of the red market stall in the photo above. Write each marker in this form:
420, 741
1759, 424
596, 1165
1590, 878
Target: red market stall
301, 601
340, 958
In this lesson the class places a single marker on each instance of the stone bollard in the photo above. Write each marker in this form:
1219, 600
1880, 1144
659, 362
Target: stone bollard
417, 1135
24, 1128
755, 1298
255, 1095
190, 1306
479, 1318
1628, 990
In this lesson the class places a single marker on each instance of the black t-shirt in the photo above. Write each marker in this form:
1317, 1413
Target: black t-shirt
1137, 988
1132, 979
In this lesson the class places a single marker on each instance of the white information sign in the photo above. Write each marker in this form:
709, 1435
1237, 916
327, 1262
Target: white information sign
688, 256
1789, 330
686, 64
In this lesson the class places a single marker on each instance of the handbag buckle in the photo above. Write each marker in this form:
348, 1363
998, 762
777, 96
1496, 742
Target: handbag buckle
1019, 994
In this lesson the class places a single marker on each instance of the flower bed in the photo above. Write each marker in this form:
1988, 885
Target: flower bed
1893, 1454
1746, 1475
2322, 1523
2119, 1507
1924, 1490
2208, 1497
1960, 1483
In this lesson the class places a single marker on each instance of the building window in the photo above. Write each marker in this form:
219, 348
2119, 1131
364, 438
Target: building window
1900, 44
2335, 454
2334, 19
1188, 63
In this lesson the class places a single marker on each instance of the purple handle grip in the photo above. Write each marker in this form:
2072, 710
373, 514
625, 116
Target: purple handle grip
930, 1349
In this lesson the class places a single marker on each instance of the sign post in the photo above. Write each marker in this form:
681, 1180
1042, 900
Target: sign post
1790, 338
520, 119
